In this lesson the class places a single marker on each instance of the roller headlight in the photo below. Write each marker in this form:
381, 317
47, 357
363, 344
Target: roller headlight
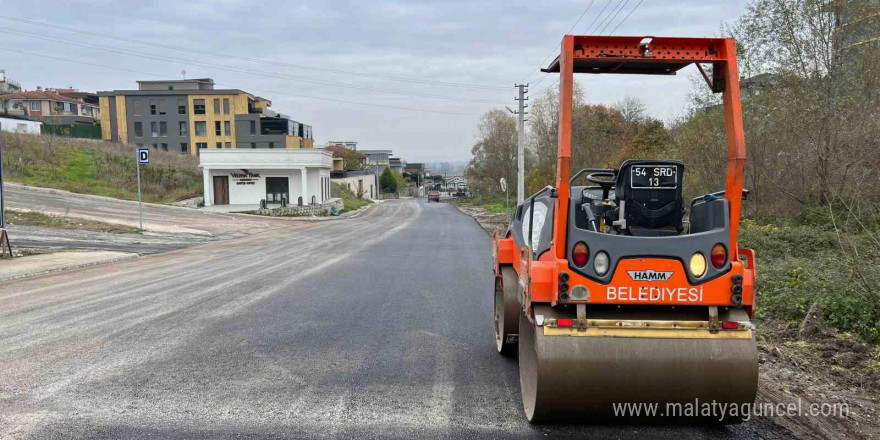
698, 265
600, 263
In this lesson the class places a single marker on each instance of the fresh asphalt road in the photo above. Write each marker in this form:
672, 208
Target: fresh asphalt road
378, 326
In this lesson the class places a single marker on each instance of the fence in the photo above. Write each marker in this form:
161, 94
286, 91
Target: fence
72, 130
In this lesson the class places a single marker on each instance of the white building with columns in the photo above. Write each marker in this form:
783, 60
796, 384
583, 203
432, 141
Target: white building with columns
247, 176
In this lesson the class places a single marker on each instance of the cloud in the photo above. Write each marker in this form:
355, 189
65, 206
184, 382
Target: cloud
494, 43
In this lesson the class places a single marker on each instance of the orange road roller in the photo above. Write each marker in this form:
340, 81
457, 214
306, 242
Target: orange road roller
610, 288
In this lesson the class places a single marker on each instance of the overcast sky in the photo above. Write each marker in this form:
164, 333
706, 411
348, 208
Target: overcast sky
461, 43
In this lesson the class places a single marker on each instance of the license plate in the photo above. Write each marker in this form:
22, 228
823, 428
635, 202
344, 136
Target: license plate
654, 177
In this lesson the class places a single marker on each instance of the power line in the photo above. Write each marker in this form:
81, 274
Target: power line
613, 17
552, 51
627, 16
236, 87
254, 60
597, 17
245, 71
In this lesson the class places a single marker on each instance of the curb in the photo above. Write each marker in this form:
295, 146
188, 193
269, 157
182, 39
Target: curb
65, 268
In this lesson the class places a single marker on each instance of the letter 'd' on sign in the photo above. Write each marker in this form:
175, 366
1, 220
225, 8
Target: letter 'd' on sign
143, 156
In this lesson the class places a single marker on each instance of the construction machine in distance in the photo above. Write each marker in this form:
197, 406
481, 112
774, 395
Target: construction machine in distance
603, 291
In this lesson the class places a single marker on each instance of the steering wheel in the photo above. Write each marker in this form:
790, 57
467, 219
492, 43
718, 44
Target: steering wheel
605, 180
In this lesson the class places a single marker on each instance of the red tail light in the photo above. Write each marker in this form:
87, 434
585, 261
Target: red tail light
729, 325
563, 322
580, 254
718, 256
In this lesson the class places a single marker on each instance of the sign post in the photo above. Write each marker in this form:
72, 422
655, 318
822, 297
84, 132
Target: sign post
4, 235
503, 182
143, 157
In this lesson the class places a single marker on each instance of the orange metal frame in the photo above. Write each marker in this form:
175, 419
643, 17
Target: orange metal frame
628, 55
668, 55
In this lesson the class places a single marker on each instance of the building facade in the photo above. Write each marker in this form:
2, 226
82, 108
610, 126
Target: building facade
188, 116
278, 176
19, 124
362, 184
54, 106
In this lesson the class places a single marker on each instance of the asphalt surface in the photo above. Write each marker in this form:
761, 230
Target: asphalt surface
378, 326
158, 218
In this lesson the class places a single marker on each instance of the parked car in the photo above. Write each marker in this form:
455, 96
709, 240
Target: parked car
434, 196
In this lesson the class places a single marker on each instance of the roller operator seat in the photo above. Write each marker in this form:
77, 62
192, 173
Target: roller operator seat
649, 197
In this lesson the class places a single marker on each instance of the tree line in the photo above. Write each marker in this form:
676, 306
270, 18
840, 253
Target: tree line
811, 109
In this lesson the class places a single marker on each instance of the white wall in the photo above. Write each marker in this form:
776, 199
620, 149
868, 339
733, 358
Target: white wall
245, 194
369, 181
20, 126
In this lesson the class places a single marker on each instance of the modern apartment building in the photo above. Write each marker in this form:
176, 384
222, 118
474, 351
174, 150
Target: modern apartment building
190, 115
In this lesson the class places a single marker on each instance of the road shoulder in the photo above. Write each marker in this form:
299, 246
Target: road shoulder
37, 265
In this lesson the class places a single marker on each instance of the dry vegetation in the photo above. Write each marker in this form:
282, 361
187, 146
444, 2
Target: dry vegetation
96, 167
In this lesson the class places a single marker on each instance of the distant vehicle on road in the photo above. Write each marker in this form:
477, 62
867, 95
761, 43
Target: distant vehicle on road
434, 196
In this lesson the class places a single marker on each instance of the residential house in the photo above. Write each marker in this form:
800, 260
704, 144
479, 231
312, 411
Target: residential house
339, 154
19, 124
351, 145
396, 164
54, 106
7, 85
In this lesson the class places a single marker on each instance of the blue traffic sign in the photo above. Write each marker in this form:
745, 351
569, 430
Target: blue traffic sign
143, 156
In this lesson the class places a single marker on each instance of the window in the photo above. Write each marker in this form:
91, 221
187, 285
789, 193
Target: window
138, 129
181, 128
229, 145
227, 128
217, 128
271, 144
198, 106
253, 145
225, 106
181, 107
163, 129
170, 87
219, 145
253, 128
184, 148
201, 145
162, 106
154, 129
35, 106
217, 106
136, 107
152, 106
164, 147
201, 128
155, 146
58, 106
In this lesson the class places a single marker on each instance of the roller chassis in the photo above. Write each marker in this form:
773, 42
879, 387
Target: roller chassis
629, 339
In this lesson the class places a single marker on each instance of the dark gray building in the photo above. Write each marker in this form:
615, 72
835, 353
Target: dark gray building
190, 115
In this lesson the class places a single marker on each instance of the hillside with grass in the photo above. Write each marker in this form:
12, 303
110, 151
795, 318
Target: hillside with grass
97, 167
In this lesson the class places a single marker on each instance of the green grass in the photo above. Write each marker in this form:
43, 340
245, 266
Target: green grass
799, 265
96, 167
21, 218
492, 204
350, 202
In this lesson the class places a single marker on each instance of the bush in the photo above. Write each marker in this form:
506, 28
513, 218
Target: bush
388, 182
801, 265
350, 201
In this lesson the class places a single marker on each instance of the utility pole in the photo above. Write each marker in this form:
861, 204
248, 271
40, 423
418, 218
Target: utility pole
521, 142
